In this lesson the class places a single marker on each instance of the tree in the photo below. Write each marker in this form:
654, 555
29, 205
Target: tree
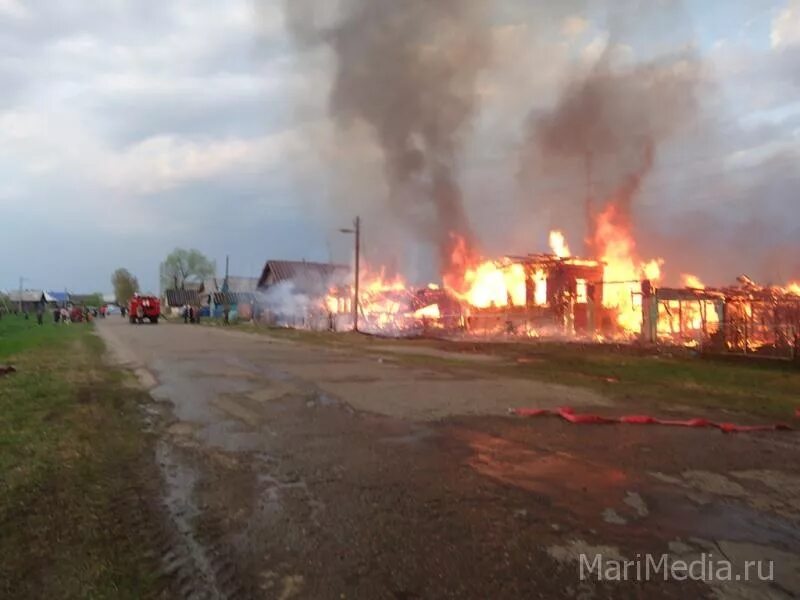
95, 299
125, 286
184, 266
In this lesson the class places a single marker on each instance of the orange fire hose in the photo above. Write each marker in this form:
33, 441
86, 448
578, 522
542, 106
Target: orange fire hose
571, 416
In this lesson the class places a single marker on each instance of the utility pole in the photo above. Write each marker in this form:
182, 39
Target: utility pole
227, 265
21, 281
589, 241
358, 262
357, 232
226, 307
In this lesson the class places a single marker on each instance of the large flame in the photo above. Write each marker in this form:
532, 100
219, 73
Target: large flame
623, 271
499, 283
492, 283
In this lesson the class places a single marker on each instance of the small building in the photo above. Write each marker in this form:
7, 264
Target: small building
235, 294
299, 293
177, 299
305, 276
29, 300
746, 319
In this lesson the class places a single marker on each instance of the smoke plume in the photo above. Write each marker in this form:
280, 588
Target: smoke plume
607, 127
408, 69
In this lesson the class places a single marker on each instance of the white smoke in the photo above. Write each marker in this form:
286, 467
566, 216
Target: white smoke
284, 305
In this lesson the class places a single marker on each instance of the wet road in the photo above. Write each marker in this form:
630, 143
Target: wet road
299, 471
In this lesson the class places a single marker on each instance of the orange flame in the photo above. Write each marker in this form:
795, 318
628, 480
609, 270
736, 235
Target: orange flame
558, 244
623, 272
692, 281
493, 283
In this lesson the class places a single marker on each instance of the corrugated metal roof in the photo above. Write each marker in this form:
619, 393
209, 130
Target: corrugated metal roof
176, 298
305, 275
235, 284
29, 296
232, 298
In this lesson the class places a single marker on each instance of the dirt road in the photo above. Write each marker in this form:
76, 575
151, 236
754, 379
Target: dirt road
301, 471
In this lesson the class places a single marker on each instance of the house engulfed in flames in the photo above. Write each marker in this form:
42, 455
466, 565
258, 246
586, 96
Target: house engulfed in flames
558, 296
746, 318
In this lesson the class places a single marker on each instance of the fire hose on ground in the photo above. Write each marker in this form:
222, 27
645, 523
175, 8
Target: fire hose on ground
571, 416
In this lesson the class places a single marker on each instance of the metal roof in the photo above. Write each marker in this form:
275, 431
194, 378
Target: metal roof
29, 296
305, 275
232, 298
177, 298
235, 284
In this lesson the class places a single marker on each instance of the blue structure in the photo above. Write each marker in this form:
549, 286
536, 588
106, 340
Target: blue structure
60, 298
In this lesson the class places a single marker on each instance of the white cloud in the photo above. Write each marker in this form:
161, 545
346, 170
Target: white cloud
786, 26
13, 9
165, 162
61, 146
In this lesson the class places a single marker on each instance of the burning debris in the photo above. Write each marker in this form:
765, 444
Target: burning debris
746, 319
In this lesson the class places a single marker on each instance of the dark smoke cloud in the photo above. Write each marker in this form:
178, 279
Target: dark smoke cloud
608, 125
407, 68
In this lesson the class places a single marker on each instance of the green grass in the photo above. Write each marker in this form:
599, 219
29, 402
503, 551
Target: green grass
71, 450
18, 334
669, 381
641, 379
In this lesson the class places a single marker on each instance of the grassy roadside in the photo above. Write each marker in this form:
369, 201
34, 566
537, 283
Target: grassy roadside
640, 380
74, 522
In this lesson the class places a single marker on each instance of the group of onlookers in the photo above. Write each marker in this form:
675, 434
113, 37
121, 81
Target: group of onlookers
190, 314
78, 314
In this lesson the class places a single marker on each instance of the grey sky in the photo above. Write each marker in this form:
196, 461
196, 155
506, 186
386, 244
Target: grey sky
130, 127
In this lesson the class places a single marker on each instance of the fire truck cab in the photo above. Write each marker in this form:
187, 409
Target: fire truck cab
144, 307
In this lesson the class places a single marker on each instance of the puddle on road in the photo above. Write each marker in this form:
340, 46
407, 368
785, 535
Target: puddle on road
276, 492
230, 436
181, 480
600, 496
191, 391
720, 520
416, 436
550, 473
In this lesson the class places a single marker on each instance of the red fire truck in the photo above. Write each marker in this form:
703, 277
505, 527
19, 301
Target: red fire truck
144, 307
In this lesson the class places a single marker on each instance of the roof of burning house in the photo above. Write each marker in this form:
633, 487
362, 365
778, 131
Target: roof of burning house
305, 275
746, 291
551, 260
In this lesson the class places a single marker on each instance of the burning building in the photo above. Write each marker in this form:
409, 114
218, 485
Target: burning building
746, 319
302, 294
534, 295
543, 295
